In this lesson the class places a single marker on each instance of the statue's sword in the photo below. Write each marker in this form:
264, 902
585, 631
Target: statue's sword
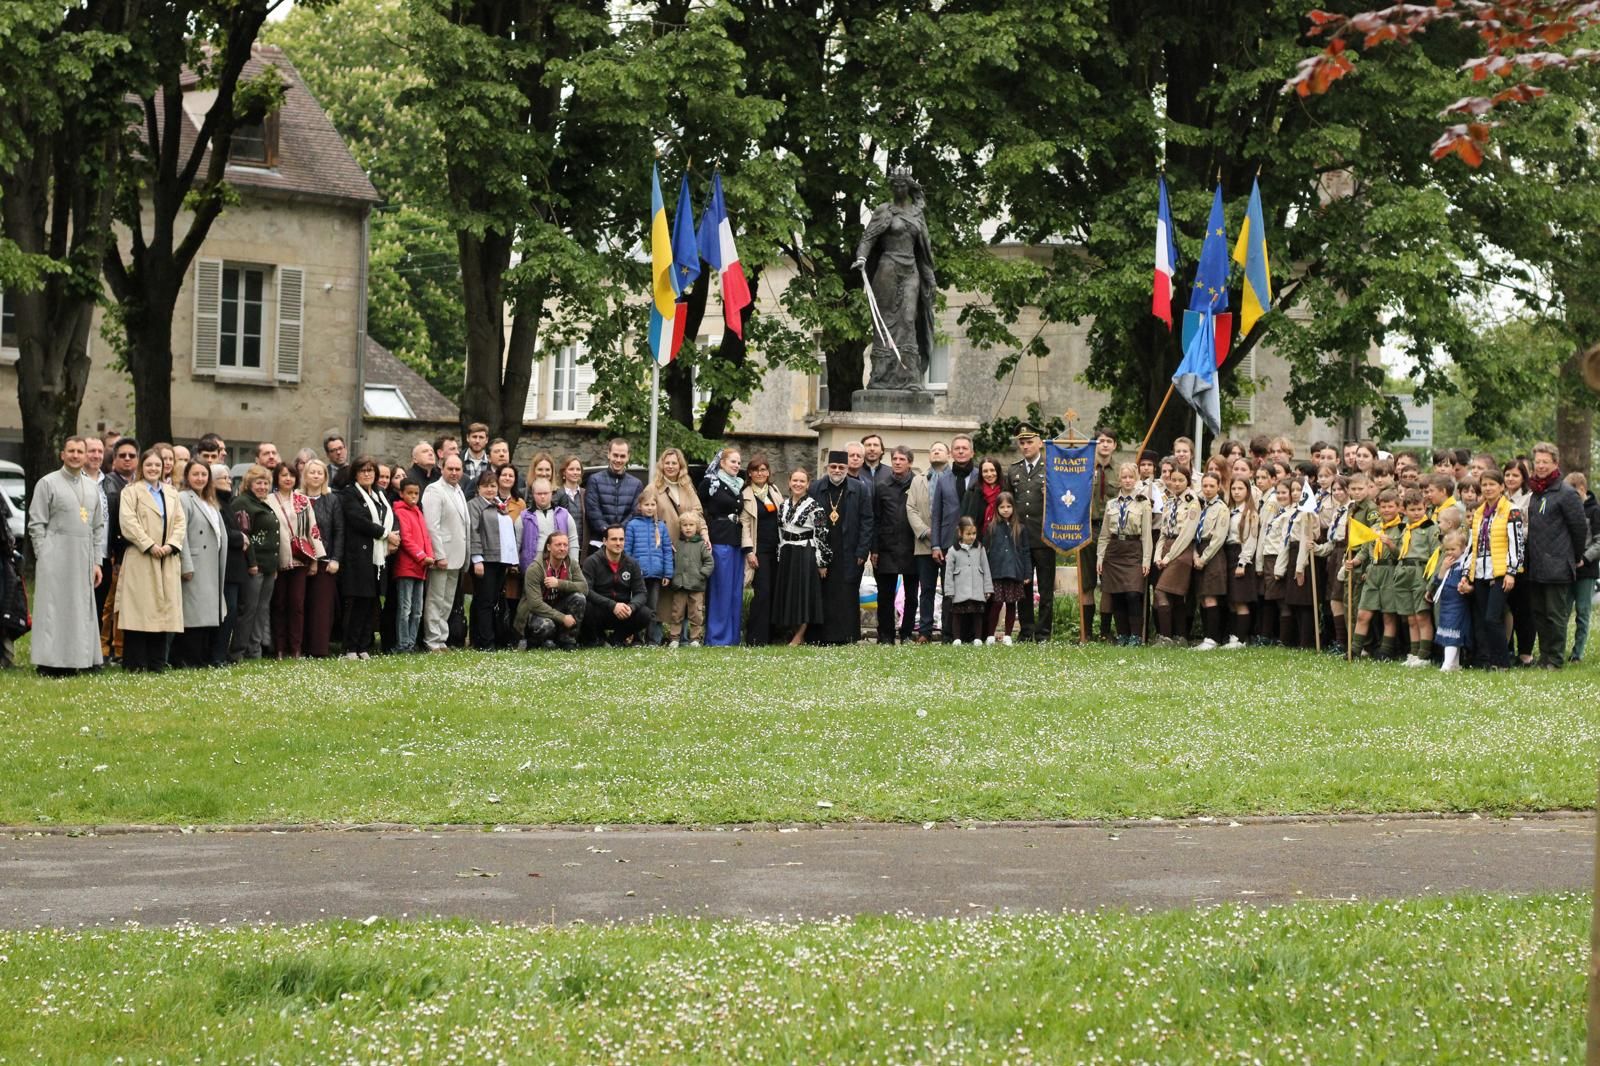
879, 326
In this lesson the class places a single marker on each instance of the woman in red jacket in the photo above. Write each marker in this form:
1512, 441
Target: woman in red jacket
411, 565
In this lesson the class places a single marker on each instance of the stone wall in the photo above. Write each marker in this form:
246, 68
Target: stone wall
389, 440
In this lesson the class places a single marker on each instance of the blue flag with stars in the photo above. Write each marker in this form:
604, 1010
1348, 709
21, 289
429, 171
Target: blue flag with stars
685, 245
1211, 279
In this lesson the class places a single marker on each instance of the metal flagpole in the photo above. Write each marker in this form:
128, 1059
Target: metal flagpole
1349, 608
655, 408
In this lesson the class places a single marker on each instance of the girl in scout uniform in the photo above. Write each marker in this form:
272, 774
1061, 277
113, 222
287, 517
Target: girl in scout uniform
1375, 563
1331, 552
1174, 555
1123, 556
1417, 546
1244, 533
1276, 514
1295, 625
1210, 583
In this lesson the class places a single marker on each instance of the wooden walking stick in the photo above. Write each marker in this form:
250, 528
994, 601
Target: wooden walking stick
1349, 613
1316, 608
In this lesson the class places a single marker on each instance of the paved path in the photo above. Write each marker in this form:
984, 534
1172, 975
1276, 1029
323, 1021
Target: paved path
563, 875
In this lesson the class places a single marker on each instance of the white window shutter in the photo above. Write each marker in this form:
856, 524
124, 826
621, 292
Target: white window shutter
530, 406
207, 314
583, 400
291, 308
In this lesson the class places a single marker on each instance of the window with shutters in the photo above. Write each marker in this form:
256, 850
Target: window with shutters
242, 314
570, 384
530, 406
8, 330
248, 321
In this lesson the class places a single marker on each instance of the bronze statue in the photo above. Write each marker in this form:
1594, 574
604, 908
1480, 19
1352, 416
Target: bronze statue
896, 260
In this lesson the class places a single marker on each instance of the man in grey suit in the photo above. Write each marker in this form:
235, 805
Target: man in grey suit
445, 509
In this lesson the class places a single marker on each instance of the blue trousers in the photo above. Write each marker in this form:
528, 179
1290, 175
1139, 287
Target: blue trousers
725, 596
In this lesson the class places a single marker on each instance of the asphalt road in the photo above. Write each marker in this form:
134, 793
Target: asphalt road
566, 875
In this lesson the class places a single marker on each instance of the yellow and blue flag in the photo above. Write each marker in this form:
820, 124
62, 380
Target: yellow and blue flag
664, 288
1250, 252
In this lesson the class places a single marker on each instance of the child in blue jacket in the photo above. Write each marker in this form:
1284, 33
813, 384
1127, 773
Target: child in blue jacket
650, 543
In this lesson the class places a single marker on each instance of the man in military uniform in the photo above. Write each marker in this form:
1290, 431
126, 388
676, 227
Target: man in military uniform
1105, 488
1026, 481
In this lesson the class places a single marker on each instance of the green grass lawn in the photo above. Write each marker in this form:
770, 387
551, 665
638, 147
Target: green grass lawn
721, 735
1466, 979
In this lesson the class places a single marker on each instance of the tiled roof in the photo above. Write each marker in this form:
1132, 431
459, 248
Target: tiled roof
312, 158
427, 403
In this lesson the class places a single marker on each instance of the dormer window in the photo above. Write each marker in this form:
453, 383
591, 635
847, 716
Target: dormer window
255, 143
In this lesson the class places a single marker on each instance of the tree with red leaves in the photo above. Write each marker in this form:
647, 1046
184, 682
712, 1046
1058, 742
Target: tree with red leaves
1518, 38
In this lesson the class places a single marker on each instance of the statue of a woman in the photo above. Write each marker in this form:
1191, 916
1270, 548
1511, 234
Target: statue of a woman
898, 258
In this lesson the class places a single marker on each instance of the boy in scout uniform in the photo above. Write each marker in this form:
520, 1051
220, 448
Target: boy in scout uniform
1105, 489
1026, 480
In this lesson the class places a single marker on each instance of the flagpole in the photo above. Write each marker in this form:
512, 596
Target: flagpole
1349, 594
655, 408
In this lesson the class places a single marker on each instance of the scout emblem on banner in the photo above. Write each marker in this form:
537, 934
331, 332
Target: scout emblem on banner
1068, 487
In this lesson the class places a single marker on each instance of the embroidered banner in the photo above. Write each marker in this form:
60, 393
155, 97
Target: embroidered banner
1068, 486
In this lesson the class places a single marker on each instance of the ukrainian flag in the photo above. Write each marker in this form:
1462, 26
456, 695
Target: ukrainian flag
1250, 252
663, 276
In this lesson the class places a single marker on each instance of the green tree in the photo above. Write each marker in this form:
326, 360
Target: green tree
64, 77
354, 57
169, 196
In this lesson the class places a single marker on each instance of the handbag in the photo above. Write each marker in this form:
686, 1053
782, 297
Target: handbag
301, 546
14, 617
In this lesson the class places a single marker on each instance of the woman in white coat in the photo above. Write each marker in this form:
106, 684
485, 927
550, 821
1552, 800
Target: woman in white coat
205, 555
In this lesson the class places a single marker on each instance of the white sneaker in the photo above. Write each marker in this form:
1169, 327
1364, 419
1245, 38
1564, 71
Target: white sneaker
672, 644
1415, 661
351, 656
989, 641
694, 644
1006, 640
956, 643
1233, 642
1449, 668
1205, 645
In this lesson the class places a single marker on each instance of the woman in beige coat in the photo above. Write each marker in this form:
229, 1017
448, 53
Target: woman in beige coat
150, 589
675, 491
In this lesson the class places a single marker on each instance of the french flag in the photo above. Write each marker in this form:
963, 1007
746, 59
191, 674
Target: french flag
717, 249
1166, 259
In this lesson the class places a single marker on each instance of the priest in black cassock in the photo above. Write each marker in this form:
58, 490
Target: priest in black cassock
847, 523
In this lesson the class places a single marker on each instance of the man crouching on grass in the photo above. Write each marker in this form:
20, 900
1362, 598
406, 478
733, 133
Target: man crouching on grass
617, 611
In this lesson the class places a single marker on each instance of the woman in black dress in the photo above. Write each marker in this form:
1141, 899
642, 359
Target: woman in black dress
759, 527
803, 557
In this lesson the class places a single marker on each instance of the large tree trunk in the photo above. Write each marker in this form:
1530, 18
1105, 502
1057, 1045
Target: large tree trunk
53, 320
1574, 420
483, 265
150, 367
519, 366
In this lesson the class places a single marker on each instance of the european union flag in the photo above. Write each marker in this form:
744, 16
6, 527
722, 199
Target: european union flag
1210, 291
685, 247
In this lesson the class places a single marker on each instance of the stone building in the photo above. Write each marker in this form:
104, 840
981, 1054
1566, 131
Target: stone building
270, 323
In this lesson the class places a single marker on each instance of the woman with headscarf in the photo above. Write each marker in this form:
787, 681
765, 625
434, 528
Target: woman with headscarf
722, 500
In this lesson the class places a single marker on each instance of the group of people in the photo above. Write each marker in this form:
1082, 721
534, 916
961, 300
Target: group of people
1469, 562
152, 556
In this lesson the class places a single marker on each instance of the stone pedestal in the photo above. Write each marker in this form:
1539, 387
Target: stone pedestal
916, 428
892, 402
